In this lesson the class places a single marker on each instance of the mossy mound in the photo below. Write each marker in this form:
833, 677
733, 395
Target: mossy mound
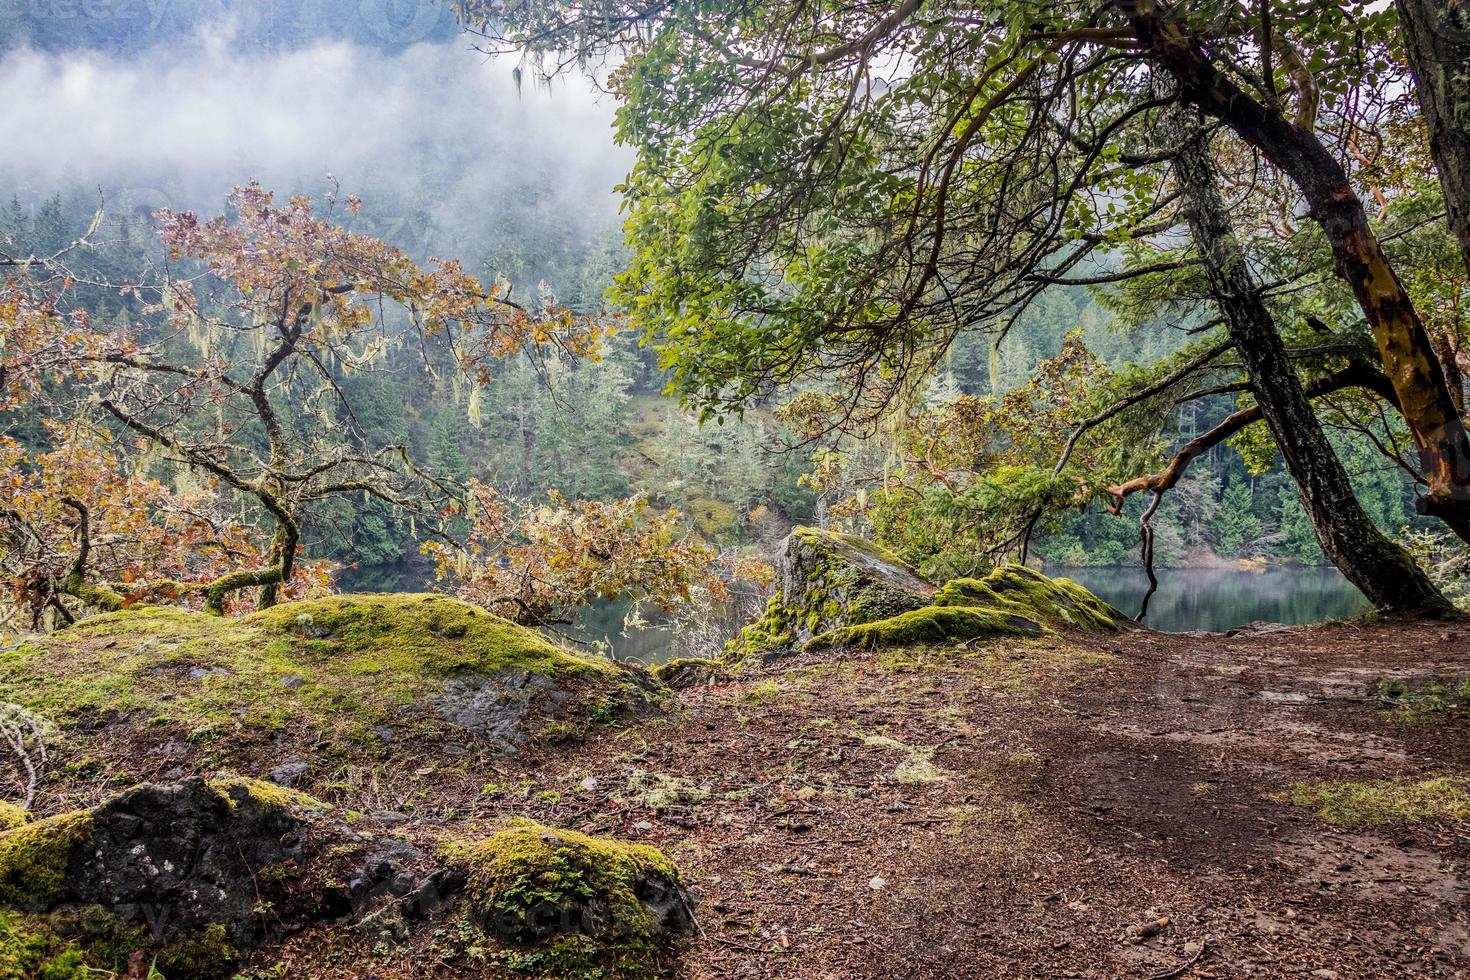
828, 580
348, 670
589, 904
1010, 601
174, 869
1021, 591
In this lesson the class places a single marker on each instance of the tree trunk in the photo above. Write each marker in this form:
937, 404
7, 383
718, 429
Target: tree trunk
1380, 568
1408, 357
1437, 40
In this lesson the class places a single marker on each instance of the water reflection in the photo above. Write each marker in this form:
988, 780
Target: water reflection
1216, 599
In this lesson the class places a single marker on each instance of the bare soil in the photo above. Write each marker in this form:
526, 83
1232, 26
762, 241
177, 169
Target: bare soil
1079, 806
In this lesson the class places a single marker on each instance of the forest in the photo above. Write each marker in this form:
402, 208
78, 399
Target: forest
734, 488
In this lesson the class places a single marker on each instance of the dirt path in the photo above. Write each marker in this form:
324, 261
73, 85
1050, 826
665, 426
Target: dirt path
1069, 807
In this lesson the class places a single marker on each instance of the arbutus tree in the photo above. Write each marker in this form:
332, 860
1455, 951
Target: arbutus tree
835, 193
229, 377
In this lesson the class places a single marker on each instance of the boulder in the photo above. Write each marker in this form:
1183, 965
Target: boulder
177, 868
592, 902
839, 591
827, 580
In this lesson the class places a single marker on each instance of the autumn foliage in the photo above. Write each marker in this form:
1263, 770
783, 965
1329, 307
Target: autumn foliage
534, 562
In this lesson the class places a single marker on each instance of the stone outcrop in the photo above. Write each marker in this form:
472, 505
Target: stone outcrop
176, 868
356, 671
838, 591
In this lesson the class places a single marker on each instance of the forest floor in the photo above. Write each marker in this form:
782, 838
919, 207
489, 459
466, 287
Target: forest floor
1072, 806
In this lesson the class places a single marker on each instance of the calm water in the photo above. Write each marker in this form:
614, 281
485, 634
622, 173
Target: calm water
1216, 599
1213, 599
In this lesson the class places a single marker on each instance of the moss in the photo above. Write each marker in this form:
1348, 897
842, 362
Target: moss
1010, 601
34, 858
658, 790
12, 816
917, 766
31, 952
818, 538
930, 625
573, 893
1388, 801
714, 518
772, 633
208, 956
1027, 592
326, 669
267, 794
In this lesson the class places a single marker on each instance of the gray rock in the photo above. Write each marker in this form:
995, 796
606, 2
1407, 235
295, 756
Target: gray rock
174, 858
493, 705
290, 771
293, 681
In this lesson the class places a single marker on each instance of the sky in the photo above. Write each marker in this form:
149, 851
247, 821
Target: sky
176, 118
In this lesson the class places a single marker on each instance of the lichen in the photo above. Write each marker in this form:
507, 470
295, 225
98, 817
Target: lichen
568, 891
1387, 801
34, 858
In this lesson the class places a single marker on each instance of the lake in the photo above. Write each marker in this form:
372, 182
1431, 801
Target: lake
1215, 599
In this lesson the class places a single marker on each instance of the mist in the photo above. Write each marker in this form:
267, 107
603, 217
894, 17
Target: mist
438, 129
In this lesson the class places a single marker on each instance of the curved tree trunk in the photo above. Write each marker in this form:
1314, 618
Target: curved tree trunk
1380, 568
1408, 357
1437, 39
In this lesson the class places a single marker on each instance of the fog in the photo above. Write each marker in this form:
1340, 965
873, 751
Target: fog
439, 130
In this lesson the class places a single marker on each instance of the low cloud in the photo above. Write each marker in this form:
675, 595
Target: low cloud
436, 124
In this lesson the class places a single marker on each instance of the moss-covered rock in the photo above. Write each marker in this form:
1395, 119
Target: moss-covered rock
172, 867
590, 903
1010, 601
838, 591
827, 580
346, 670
